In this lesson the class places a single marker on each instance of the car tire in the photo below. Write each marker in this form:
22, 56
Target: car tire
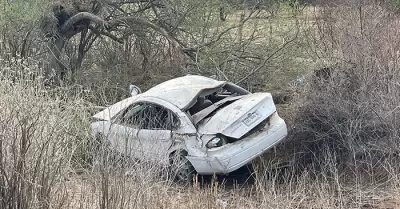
181, 169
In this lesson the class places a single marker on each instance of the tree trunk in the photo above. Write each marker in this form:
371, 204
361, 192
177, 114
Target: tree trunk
222, 14
56, 71
81, 53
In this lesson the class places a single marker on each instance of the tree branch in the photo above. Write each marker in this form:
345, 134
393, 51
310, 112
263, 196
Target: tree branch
71, 23
118, 3
140, 21
126, 1
106, 33
196, 48
262, 64
80, 17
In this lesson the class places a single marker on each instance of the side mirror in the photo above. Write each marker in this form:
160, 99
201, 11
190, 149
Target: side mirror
134, 90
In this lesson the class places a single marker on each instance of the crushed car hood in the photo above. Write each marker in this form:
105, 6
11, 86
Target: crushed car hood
238, 118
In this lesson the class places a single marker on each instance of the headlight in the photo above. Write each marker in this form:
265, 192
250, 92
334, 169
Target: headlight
216, 142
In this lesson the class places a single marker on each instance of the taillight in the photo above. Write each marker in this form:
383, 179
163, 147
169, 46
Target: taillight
217, 141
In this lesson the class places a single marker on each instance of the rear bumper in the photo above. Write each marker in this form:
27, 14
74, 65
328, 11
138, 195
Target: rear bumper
233, 156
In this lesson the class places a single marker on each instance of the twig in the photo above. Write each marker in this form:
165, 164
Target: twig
264, 62
106, 33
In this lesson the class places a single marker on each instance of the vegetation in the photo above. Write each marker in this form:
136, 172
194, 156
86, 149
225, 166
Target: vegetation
61, 60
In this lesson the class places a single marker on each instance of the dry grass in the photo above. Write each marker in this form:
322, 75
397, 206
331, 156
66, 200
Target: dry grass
55, 172
354, 111
302, 192
344, 136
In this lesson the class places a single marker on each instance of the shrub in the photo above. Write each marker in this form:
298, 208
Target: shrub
41, 135
350, 116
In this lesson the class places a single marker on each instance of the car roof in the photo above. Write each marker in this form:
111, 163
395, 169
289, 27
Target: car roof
184, 91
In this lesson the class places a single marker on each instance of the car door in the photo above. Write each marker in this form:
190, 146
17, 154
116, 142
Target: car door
155, 137
123, 135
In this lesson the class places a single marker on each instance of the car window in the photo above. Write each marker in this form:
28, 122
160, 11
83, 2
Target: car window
149, 116
131, 115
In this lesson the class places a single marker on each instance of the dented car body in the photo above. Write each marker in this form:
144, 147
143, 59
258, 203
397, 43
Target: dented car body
218, 125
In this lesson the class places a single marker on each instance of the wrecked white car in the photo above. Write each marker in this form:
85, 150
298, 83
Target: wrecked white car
214, 126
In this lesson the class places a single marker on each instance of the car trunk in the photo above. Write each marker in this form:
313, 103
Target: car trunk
239, 117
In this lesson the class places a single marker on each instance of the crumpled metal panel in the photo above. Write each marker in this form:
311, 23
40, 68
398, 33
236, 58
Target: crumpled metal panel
204, 113
238, 118
183, 91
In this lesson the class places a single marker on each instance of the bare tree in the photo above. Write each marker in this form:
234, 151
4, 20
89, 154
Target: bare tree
116, 20
82, 23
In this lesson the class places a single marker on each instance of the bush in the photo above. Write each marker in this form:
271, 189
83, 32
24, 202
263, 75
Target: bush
41, 137
350, 115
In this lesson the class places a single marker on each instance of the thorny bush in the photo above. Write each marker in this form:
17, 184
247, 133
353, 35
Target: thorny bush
348, 117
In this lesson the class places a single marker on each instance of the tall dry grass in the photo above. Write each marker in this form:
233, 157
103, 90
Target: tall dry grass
41, 136
344, 137
346, 120
47, 154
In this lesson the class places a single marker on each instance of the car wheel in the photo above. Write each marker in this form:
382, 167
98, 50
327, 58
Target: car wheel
181, 168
